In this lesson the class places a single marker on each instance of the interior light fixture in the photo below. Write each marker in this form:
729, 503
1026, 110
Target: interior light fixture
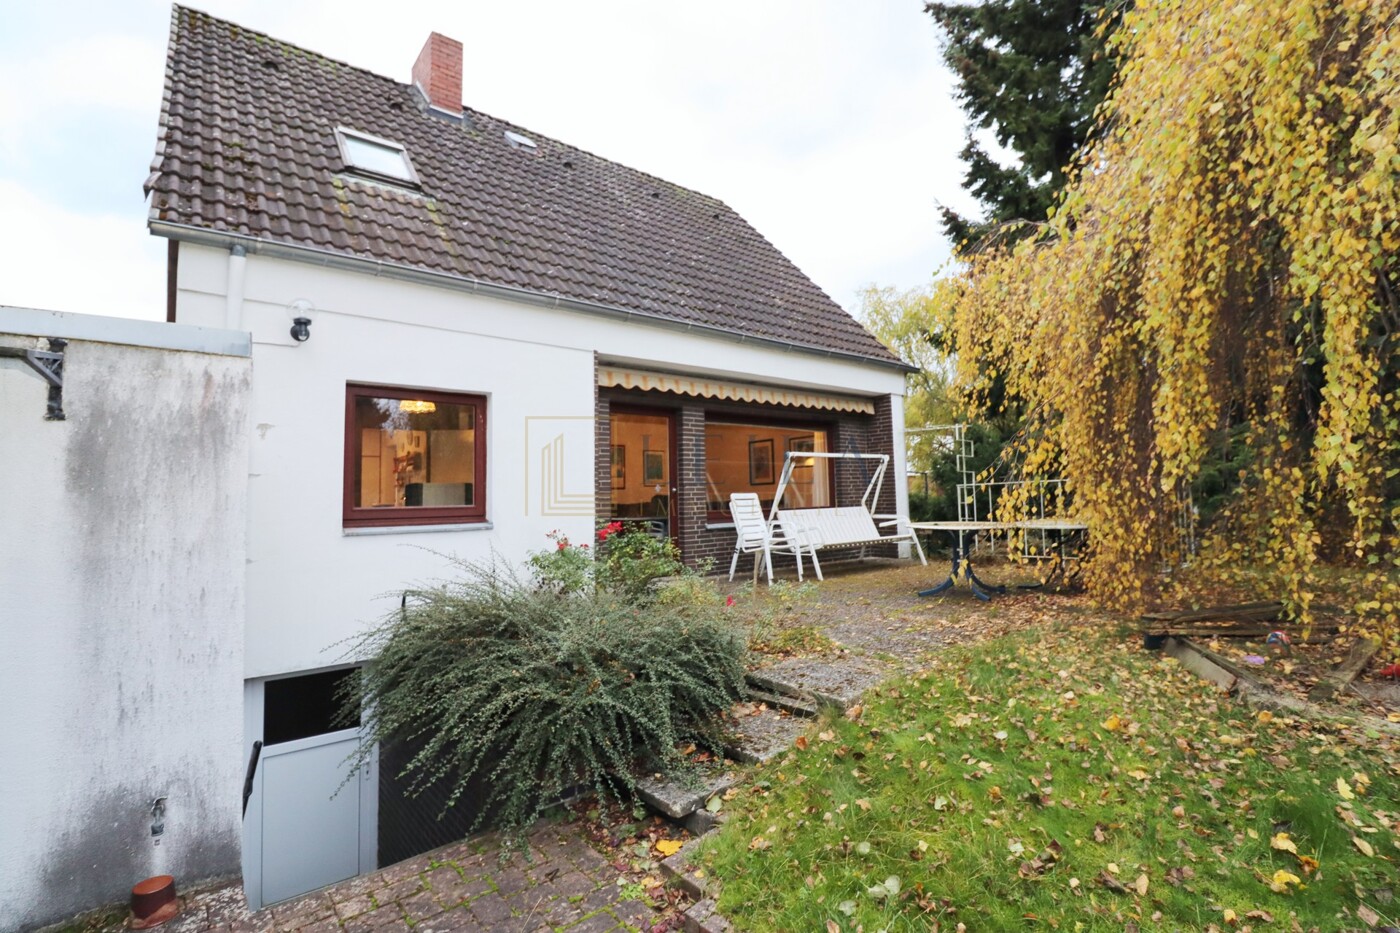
416, 406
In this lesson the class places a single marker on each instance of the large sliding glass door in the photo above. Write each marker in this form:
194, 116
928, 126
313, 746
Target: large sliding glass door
644, 475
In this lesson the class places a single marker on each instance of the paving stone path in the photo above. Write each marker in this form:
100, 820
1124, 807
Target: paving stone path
565, 885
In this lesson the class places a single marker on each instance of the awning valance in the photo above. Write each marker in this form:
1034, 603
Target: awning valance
701, 387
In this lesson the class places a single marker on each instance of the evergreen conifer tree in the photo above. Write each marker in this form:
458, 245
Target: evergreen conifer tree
1032, 72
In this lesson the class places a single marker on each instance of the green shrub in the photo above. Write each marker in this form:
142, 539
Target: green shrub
631, 559
627, 560
563, 568
529, 693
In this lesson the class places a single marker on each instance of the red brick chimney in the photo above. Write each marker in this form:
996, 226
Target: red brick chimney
438, 73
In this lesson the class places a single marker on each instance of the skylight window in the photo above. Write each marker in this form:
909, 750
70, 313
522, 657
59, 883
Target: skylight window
375, 156
519, 141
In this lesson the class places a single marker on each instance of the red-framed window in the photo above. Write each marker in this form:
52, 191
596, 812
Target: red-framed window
413, 457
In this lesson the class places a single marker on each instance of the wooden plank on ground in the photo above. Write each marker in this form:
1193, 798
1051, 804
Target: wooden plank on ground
1361, 654
1246, 612
1237, 630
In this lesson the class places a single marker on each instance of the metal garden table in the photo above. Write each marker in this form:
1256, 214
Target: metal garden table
962, 561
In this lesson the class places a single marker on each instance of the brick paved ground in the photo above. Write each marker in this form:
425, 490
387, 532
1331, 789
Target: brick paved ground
565, 885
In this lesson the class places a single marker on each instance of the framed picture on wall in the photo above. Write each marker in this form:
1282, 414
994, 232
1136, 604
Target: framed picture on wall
802, 467
619, 466
761, 463
653, 466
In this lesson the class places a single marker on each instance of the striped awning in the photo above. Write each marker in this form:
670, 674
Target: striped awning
701, 387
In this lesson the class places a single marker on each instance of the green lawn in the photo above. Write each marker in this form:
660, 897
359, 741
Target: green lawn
1063, 778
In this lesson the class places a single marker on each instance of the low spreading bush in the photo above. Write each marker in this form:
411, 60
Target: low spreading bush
523, 689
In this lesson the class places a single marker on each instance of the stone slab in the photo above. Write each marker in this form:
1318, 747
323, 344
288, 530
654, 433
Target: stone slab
704, 917
797, 705
833, 683
679, 870
761, 736
677, 798
702, 821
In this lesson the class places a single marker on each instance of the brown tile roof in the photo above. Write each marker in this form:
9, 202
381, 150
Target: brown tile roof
248, 147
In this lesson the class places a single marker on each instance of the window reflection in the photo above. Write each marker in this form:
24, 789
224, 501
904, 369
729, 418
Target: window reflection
749, 458
414, 453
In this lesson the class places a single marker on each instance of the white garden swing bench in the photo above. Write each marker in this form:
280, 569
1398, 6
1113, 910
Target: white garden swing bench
806, 531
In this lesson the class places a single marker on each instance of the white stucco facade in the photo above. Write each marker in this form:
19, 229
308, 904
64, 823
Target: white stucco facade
312, 584
121, 610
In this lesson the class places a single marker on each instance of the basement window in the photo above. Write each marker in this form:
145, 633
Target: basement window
371, 155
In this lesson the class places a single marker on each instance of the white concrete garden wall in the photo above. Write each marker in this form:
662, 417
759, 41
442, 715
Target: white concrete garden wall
121, 611
312, 584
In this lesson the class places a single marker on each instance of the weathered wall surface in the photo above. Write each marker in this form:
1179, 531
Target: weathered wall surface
121, 610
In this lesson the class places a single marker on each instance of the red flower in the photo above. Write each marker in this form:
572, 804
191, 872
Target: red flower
728, 601
563, 543
607, 530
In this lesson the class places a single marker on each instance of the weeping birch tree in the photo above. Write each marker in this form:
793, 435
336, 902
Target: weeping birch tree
1221, 270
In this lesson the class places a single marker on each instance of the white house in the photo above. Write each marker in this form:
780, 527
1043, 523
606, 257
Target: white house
465, 335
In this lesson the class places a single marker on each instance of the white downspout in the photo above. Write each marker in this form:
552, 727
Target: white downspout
233, 297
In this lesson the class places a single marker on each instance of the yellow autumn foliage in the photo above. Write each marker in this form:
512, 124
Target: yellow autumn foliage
1224, 256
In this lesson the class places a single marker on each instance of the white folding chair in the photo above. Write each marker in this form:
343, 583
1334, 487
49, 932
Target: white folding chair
754, 536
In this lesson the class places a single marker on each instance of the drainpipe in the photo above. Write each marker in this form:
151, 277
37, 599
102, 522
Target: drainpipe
233, 299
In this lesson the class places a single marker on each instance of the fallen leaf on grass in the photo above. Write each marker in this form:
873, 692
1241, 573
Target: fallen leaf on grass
1230, 917
801, 743
759, 843
863, 804
1344, 789
1282, 879
1112, 883
713, 804
1307, 863
1282, 843
1367, 916
1179, 876
885, 889
1263, 916
1140, 885
1042, 862
1113, 723
1363, 846
833, 927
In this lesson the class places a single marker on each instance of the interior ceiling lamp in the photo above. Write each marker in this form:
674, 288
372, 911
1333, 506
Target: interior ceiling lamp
417, 406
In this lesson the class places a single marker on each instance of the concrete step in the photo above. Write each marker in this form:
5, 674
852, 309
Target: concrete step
761, 733
703, 917
797, 705
689, 878
837, 683
678, 798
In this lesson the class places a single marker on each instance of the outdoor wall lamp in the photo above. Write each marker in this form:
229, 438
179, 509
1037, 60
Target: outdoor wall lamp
300, 311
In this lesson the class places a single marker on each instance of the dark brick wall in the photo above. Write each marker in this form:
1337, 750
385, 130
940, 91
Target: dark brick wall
602, 449
699, 542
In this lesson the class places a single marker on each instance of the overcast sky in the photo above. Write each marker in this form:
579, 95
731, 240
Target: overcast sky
828, 124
